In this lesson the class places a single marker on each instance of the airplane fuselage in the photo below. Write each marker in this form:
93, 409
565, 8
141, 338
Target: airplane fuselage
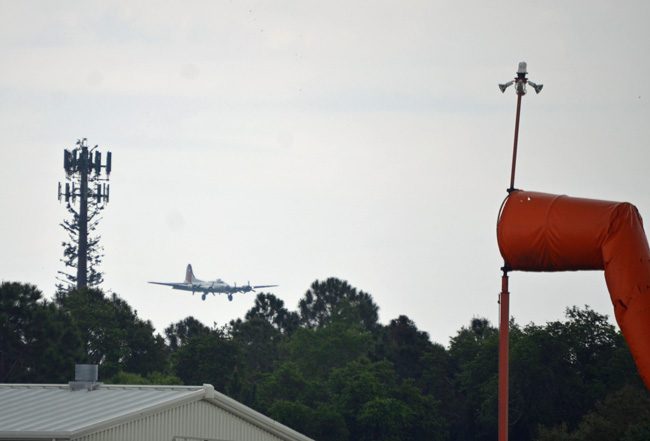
211, 287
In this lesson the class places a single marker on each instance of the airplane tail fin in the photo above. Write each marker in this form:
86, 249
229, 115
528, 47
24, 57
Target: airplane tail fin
189, 275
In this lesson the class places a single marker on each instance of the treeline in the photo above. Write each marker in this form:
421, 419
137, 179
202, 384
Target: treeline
332, 371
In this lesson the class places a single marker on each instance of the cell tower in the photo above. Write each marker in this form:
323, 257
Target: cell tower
80, 163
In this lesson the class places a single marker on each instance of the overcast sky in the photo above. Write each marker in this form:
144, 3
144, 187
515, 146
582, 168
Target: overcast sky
289, 141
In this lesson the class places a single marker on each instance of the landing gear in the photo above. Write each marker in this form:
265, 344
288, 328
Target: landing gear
230, 297
203, 296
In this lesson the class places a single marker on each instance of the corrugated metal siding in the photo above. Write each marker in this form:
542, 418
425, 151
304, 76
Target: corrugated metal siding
197, 419
26, 408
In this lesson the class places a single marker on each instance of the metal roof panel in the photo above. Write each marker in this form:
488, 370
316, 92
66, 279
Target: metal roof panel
55, 408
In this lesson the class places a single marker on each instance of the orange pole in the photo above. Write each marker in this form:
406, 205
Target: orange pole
504, 329
504, 306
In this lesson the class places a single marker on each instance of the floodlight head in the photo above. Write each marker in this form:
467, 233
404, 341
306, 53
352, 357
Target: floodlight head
522, 68
504, 86
538, 87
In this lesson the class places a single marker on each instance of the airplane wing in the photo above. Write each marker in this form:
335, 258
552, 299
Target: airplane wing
247, 288
173, 285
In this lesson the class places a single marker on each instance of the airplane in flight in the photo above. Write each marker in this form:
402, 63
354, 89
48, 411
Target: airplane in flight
213, 287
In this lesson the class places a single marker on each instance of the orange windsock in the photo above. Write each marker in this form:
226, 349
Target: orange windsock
546, 232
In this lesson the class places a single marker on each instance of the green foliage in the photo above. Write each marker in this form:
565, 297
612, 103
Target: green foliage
271, 309
258, 341
322, 423
162, 378
153, 378
383, 419
318, 351
334, 373
127, 378
294, 414
623, 415
94, 250
37, 341
474, 359
287, 383
560, 370
406, 347
208, 358
335, 299
427, 419
112, 334
329, 424
181, 332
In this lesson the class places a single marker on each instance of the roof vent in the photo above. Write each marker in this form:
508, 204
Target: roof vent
85, 377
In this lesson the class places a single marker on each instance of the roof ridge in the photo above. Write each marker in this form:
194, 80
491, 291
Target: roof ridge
105, 386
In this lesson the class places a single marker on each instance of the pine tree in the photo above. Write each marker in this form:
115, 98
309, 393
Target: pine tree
85, 199
68, 280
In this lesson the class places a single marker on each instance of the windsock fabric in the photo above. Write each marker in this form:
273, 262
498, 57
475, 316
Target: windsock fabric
546, 232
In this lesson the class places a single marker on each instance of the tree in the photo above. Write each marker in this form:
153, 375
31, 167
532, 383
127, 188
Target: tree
210, 358
335, 299
181, 332
427, 420
318, 351
473, 356
383, 419
272, 310
598, 352
38, 343
356, 384
258, 341
287, 383
329, 424
546, 388
376, 404
405, 346
71, 225
153, 378
295, 415
113, 336
558, 371
623, 415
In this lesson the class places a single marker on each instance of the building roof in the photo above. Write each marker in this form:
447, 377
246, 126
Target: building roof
55, 411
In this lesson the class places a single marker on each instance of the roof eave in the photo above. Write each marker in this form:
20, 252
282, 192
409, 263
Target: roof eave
35, 435
256, 418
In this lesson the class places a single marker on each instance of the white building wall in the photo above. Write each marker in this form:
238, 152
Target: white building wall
198, 419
